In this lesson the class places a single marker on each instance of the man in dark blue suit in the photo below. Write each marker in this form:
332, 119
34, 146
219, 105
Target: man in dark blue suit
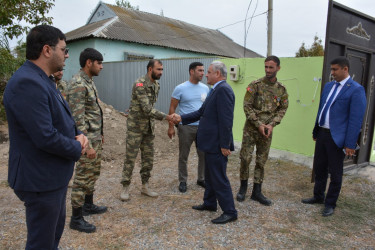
44, 142
214, 137
337, 126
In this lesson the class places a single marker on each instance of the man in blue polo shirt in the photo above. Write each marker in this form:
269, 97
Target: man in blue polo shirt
189, 96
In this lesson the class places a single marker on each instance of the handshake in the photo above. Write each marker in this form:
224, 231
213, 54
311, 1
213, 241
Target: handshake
173, 118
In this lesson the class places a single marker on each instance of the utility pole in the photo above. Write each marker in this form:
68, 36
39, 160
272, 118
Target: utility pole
269, 30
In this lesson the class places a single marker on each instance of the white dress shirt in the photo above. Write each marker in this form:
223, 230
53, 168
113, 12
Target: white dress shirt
326, 122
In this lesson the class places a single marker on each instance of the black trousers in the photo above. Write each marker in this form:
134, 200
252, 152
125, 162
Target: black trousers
328, 159
45, 217
217, 184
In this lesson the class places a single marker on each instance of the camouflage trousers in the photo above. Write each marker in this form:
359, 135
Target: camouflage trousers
87, 172
136, 140
252, 137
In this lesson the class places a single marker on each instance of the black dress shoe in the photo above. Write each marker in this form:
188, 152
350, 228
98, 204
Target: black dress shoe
204, 207
328, 211
182, 187
312, 200
201, 183
224, 218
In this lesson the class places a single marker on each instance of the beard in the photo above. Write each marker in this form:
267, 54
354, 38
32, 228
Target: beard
94, 73
271, 75
154, 76
57, 64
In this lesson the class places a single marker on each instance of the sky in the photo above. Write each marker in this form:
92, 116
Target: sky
294, 21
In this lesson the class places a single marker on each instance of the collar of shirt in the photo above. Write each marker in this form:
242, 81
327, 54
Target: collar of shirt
213, 87
85, 76
267, 81
344, 81
149, 82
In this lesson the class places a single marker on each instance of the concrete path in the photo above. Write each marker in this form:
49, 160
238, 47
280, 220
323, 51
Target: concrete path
368, 172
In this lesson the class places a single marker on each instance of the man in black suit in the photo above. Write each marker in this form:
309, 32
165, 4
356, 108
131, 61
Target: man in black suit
214, 137
44, 141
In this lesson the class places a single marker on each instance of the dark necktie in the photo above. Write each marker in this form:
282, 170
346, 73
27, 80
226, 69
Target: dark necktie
328, 104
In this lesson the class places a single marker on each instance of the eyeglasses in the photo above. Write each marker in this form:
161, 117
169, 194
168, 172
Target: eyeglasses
66, 50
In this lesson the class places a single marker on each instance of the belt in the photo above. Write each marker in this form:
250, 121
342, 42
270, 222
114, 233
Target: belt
325, 129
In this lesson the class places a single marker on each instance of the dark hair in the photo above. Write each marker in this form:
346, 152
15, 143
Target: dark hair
38, 37
193, 65
151, 63
89, 54
273, 58
342, 61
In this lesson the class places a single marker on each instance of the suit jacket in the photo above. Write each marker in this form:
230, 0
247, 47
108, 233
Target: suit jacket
42, 132
346, 113
216, 120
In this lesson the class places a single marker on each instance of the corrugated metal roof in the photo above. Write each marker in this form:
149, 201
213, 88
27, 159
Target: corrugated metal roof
146, 28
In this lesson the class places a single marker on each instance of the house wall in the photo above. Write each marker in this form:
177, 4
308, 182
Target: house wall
113, 51
72, 63
300, 76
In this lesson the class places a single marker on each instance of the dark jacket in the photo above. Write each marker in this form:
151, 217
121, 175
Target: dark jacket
42, 132
216, 120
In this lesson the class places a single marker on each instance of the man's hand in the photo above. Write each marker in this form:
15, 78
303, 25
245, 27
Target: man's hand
269, 130
169, 118
225, 151
171, 131
84, 142
176, 119
349, 151
91, 154
261, 130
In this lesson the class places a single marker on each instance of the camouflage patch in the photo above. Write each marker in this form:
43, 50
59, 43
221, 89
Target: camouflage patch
87, 172
83, 101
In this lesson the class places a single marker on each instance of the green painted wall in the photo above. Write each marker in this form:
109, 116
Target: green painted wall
294, 134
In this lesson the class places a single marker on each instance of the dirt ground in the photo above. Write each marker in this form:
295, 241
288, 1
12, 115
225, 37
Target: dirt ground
169, 222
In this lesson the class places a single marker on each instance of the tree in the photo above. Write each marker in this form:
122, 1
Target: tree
8, 65
316, 49
126, 4
30, 11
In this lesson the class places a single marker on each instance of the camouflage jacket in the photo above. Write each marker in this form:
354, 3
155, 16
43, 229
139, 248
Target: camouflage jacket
83, 100
62, 86
265, 102
141, 111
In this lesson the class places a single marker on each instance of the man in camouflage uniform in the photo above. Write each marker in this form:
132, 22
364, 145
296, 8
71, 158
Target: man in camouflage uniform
84, 104
61, 85
140, 127
265, 104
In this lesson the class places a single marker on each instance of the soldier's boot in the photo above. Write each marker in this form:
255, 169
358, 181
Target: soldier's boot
258, 196
77, 222
125, 193
242, 192
146, 191
90, 208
